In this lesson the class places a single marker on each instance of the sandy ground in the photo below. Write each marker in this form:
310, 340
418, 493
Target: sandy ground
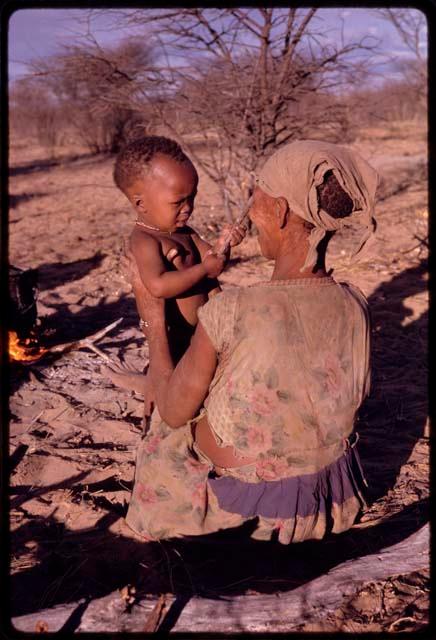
73, 435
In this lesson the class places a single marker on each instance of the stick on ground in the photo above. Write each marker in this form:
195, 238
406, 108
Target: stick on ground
87, 342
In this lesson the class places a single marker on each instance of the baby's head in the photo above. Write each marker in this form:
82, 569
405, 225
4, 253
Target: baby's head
159, 180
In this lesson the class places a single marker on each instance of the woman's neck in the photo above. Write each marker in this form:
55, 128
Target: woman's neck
291, 257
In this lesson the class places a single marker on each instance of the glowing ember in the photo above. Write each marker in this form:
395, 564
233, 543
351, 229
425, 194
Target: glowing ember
24, 350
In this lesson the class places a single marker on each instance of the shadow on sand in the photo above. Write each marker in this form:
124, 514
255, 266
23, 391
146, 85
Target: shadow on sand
91, 564
20, 198
48, 163
54, 274
393, 418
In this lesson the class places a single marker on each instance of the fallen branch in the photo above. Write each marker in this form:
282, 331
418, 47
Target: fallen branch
253, 613
87, 343
155, 617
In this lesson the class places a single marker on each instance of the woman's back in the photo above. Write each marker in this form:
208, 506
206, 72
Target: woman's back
296, 359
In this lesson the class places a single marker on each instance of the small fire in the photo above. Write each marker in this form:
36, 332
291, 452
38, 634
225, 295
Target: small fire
26, 350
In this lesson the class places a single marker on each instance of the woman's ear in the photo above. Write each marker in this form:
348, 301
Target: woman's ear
281, 209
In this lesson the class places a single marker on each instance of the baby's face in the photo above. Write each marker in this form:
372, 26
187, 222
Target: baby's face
164, 197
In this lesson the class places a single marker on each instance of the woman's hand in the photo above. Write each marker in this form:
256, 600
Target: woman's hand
151, 310
215, 259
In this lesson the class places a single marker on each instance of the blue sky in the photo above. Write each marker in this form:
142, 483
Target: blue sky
38, 32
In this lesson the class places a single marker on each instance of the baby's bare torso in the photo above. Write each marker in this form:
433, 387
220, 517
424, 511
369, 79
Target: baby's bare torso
187, 255
179, 252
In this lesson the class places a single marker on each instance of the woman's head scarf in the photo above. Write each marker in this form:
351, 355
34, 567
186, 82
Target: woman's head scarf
297, 169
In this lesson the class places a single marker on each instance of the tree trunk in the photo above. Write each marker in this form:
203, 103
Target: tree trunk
282, 611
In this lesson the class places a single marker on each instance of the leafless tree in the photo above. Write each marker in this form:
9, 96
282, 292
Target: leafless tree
34, 113
101, 93
231, 84
411, 26
248, 80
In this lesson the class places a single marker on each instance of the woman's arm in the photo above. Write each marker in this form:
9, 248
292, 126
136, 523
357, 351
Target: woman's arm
179, 392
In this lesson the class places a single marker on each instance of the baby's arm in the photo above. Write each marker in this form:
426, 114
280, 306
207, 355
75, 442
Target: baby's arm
233, 233
203, 247
160, 282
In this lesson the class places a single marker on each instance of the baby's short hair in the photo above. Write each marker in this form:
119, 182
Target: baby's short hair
332, 197
134, 159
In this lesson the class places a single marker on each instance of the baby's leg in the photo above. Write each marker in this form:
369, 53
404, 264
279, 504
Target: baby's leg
123, 376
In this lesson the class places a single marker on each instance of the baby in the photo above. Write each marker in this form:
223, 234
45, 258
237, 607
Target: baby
174, 262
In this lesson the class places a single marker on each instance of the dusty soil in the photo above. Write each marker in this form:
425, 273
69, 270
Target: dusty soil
73, 435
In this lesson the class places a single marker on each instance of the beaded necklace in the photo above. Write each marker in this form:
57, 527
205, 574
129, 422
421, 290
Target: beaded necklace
149, 226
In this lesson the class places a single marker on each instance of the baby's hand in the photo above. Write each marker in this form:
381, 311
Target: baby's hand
230, 236
213, 264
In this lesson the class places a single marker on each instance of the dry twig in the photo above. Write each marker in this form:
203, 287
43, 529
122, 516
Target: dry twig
87, 342
153, 621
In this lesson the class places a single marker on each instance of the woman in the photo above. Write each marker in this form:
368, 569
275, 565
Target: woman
256, 421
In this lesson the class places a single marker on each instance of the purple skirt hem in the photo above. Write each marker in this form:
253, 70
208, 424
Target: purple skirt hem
302, 496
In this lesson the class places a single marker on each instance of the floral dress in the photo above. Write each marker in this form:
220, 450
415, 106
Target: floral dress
293, 369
